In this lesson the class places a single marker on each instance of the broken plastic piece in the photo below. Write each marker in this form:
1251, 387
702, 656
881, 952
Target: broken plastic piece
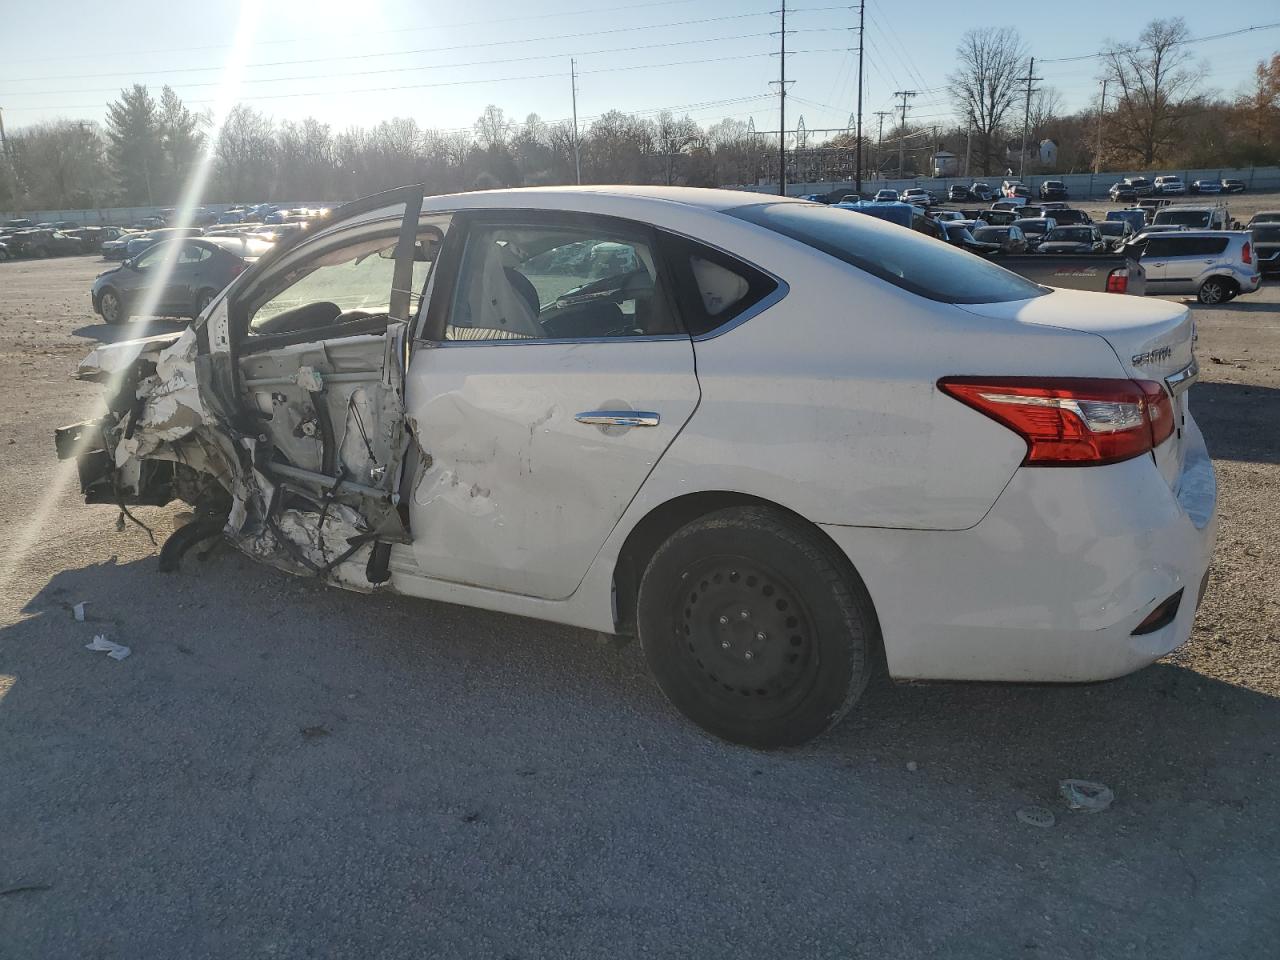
309, 379
1086, 795
116, 651
1037, 817
78, 611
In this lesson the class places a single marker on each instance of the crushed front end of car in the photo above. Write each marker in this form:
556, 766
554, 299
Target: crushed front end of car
165, 438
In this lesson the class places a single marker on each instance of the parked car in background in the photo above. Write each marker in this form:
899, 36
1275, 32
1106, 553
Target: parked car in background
1214, 266
139, 242
1142, 187
1205, 186
918, 196
1116, 233
1011, 203
1216, 217
19, 224
1231, 185
1168, 186
117, 247
4, 250
1053, 190
1162, 228
1152, 204
982, 191
1054, 205
1069, 217
1079, 239
973, 516
200, 268
1034, 229
887, 196
65, 225
1001, 217
958, 193
1266, 246
234, 215
1014, 188
1134, 216
1264, 216
941, 215
1010, 239
961, 235
1122, 192
42, 242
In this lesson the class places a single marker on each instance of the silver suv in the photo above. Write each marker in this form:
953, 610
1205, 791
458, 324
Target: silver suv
1215, 265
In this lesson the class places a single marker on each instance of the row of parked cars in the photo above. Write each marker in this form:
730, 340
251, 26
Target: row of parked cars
1134, 188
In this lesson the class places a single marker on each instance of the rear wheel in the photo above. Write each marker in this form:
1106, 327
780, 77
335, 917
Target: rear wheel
1213, 291
111, 307
756, 628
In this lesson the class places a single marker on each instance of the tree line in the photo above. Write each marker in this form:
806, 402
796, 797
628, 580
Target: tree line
1157, 114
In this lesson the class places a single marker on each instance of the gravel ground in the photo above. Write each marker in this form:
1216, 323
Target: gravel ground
286, 770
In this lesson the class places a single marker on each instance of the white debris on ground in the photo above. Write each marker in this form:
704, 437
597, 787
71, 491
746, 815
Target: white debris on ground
116, 651
1086, 795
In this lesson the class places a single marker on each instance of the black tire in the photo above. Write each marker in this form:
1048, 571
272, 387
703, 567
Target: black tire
756, 628
203, 299
112, 307
1214, 291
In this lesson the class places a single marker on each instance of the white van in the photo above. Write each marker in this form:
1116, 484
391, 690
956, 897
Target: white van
1213, 216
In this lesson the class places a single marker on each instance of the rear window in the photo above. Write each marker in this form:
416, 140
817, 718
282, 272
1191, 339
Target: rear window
901, 257
1269, 234
1189, 218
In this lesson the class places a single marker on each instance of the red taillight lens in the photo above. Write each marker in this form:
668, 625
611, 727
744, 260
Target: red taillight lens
1246, 254
1069, 421
1118, 280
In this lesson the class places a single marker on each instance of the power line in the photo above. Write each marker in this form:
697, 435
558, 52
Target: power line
1214, 36
399, 53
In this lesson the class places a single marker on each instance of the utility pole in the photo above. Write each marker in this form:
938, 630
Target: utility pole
880, 137
1102, 110
577, 146
782, 105
862, 11
968, 147
902, 130
1026, 115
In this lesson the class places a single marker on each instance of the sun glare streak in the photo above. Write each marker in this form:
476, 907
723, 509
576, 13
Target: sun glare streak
193, 189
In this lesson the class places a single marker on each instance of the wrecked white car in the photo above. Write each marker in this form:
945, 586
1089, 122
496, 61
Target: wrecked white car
778, 442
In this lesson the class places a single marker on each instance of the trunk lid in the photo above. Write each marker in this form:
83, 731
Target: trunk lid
1153, 339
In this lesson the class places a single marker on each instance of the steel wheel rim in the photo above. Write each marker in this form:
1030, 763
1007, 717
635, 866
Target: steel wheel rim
110, 307
747, 634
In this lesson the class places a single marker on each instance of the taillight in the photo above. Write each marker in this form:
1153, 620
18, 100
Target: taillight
1068, 421
1246, 254
1118, 280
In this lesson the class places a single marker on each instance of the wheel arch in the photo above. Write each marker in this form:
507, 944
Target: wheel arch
653, 529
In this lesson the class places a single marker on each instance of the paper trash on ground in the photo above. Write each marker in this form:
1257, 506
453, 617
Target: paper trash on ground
116, 651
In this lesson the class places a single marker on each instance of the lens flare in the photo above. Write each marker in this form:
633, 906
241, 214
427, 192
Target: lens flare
228, 89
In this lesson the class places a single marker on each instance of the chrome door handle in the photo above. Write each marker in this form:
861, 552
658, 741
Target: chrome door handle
619, 418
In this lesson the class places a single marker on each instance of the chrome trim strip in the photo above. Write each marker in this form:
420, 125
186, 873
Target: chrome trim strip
619, 418
526, 341
1184, 378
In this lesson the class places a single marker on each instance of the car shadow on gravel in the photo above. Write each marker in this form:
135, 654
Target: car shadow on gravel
1236, 306
115, 333
1238, 420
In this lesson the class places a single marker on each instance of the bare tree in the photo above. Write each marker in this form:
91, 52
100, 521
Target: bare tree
246, 152
672, 137
984, 85
60, 164
492, 128
1155, 86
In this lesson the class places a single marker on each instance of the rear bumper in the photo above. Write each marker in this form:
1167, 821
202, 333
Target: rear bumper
1051, 584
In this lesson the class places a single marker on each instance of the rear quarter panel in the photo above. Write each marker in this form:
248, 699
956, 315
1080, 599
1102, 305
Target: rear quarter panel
826, 403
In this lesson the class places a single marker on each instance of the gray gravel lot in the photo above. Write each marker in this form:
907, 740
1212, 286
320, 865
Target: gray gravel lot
286, 770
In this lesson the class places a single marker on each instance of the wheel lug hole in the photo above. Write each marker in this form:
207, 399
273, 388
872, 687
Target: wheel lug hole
762, 636
744, 614
724, 621
749, 655
724, 644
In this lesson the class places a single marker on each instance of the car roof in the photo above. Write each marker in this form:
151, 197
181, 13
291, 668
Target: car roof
556, 197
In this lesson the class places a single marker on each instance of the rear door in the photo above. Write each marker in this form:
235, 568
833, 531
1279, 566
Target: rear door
1156, 250
554, 373
314, 349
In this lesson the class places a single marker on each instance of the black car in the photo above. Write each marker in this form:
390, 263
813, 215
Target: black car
201, 267
959, 235
1001, 218
41, 243
4, 251
1266, 246
982, 191
957, 193
139, 242
1068, 217
1122, 191
1233, 186
1053, 190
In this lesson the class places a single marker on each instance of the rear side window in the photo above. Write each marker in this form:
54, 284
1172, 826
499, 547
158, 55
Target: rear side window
713, 288
1194, 246
901, 257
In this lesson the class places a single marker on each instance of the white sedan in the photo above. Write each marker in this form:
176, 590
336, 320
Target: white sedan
779, 443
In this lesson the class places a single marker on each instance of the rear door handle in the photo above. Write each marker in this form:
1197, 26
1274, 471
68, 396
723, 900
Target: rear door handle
619, 418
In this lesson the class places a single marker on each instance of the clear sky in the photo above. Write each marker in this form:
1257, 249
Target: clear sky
355, 62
